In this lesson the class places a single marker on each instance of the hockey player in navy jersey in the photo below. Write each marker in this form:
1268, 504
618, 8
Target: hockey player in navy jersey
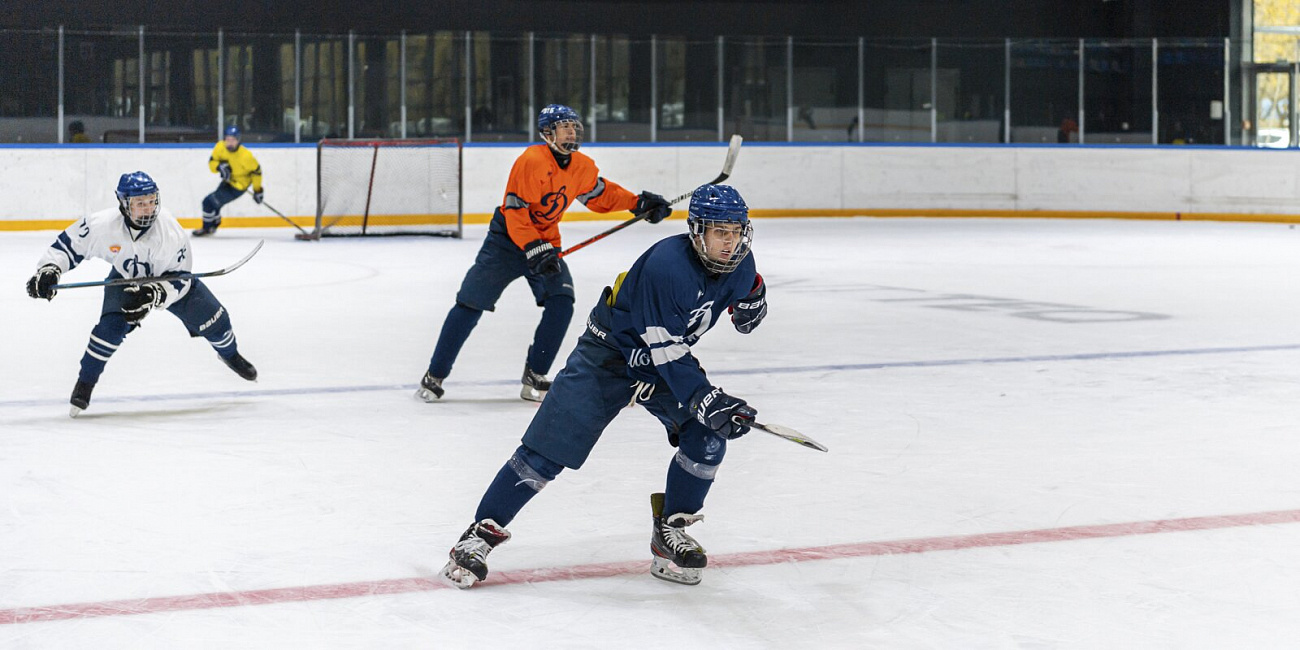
139, 238
637, 350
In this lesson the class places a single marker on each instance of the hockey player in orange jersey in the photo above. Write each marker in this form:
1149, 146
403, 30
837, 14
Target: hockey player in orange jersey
523, 240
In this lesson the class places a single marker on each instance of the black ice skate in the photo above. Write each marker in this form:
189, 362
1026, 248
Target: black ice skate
468, 563
672, 547
535, 385
430, 389
241, 366
208, 228
80, 397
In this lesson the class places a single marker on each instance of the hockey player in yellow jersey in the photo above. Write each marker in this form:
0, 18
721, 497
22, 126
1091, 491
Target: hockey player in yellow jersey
238, 169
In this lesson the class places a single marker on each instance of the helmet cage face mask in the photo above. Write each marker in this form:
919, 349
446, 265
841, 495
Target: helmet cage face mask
564, 140
141, 209
720, 261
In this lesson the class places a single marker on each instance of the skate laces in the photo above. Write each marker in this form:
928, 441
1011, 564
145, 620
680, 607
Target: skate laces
531, 378
480, 539
673, 531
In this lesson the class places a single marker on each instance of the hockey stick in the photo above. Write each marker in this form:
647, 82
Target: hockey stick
163, 278
281, 215
782, 432
733, 150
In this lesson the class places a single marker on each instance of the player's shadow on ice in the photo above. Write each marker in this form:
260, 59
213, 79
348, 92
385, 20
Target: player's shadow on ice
140, 414
483, 400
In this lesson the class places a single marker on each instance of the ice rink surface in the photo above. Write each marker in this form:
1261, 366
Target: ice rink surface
1043, 434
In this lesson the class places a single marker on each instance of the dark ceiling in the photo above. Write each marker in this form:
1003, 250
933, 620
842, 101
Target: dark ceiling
875, 19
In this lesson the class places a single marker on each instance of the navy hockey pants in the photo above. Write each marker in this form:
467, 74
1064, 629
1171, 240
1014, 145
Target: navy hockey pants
500, 262
200, 311
584, 399
212, 203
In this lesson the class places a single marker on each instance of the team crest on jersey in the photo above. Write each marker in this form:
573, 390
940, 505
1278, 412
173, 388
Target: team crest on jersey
114, 248
554, 204
136, 268
701, 320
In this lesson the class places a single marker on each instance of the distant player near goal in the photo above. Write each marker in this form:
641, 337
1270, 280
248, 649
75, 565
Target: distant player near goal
139, 238
523, 240
238, 170
637, 350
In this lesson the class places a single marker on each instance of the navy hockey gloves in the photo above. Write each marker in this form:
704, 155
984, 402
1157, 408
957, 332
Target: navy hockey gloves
224, 170
543, 259
720, 412
41, 285
655, 208
749, 311
140, 299
257, 197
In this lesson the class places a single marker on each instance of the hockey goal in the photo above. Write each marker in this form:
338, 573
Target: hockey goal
388, 187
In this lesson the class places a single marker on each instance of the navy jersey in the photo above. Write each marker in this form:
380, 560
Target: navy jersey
662, 306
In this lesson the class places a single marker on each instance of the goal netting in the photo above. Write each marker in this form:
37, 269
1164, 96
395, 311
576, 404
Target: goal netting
388, 187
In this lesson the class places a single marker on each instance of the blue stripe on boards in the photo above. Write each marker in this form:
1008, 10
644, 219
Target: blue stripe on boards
778, 370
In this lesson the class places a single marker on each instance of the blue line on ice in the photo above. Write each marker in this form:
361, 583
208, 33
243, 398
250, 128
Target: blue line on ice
776, 370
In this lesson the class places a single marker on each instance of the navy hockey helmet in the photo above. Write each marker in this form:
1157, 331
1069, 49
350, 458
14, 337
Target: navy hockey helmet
232, 130
719, 225
555, 115
138, 199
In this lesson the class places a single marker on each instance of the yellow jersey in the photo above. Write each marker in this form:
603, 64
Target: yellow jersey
243, 166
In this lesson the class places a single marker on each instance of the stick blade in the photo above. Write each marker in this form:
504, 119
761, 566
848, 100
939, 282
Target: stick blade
733, 150
791, 435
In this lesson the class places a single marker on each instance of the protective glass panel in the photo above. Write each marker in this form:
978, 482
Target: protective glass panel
754, 82
687, 87
1045, 91
499, 71
435, 87
29, 87
825, 90
1117, 91
1191, 92
896, 96
971, 90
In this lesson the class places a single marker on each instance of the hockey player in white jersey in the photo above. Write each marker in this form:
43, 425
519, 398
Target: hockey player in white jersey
139, 238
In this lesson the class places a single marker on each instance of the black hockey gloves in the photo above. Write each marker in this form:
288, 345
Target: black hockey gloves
719, 412
654, 207
42, 284
257, 197
224, 170
140, 299
543, 259
749, 311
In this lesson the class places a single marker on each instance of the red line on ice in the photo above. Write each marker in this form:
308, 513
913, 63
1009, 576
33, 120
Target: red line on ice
611, 569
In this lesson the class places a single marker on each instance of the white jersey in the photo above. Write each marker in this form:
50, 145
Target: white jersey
163, 248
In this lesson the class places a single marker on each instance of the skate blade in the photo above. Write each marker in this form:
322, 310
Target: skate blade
455, 576
664, 569
532, 394
426, 395
74, 411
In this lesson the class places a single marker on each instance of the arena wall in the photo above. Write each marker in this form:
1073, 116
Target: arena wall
50, 186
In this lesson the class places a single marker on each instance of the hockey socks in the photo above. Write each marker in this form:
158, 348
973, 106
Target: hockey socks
224, 344
688, 483
455, 330
518, 481
105, 338
557, 312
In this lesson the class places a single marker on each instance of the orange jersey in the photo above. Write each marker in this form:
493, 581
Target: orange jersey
539, 192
